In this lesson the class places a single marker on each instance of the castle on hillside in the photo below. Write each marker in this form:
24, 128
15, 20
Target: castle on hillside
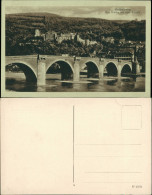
86, 41
53, 36
66, 36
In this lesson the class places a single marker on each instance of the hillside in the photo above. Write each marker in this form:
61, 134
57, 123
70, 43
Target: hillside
45, 21
27, 22
134, 30
21, 26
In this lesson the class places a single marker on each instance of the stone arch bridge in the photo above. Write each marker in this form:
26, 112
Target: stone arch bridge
35, 67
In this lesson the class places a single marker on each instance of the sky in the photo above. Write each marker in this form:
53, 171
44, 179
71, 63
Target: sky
104, 12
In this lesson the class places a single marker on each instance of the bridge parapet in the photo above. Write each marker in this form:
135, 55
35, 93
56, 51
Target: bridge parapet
21, 57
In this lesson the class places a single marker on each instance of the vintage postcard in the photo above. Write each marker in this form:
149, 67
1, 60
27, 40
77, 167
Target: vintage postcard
76, 48
90, 146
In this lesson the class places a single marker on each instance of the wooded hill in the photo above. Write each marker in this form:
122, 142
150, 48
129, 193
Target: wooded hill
21, 25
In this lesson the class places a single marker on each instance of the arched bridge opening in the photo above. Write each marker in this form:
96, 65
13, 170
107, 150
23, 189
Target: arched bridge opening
90, 69
61, 67
111, 69
126, 70
17, 67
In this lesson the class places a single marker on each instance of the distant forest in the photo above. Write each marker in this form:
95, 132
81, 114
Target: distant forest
21, 26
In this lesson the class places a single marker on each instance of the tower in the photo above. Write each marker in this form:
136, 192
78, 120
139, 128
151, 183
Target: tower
37, 33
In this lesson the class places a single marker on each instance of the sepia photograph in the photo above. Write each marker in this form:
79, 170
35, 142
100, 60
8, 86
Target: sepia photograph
83, 48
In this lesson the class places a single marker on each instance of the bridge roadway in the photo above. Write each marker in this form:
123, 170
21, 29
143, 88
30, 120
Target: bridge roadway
35, 67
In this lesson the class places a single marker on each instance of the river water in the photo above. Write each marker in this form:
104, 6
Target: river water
16, 82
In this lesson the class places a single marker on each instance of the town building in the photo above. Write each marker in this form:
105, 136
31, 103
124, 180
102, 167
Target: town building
109, 39
122, 41
51, 35
131, 42
124, 55
93, 54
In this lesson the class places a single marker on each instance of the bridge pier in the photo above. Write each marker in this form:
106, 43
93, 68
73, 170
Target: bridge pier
76, 74
101, 70
41, 72
137, 66
119, 70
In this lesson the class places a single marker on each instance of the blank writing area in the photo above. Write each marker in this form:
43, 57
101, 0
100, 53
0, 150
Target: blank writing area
36, 146
107, 158
73, 146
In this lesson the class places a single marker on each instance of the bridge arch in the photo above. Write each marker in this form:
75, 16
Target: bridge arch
92, 68
66, 68
27, 69
111, 69
127, 68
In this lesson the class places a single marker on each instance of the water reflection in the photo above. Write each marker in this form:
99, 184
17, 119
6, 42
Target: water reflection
112, 82
76, 86
41, 88
108, 84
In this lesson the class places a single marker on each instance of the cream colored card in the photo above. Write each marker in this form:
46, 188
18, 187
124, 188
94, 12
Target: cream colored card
76, 146
35, 65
